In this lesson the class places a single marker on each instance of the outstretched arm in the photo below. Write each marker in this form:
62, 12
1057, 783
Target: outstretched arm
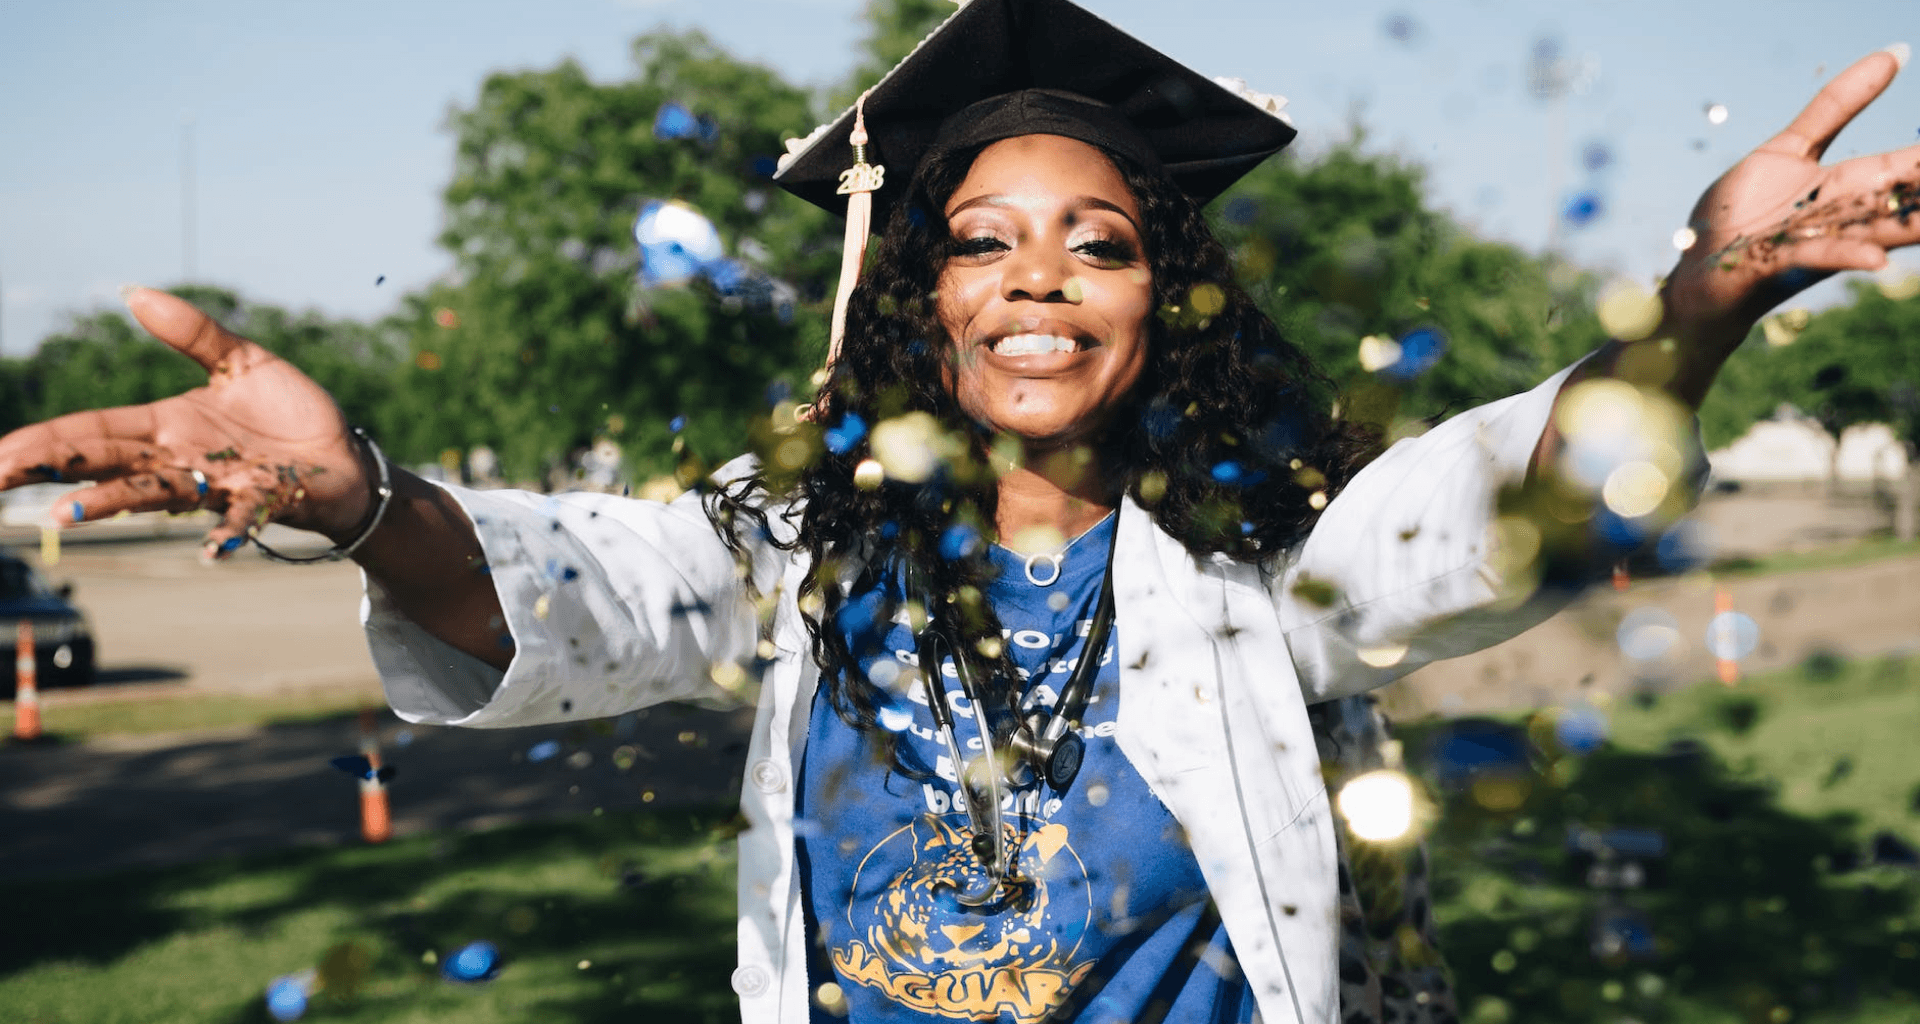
1776, 223
259, 443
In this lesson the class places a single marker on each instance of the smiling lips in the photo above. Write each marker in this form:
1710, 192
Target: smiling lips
1034, 345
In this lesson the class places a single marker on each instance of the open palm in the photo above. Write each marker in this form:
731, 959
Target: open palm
259, 442
1778, 221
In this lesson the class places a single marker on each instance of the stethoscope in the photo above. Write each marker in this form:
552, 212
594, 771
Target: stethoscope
1045, 745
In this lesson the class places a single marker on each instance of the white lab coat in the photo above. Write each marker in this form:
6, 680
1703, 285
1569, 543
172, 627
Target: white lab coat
616, 604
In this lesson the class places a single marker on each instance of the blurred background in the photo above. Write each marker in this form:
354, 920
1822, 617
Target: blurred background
535, 245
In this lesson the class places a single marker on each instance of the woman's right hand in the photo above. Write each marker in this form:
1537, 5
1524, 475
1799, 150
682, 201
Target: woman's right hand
269, 443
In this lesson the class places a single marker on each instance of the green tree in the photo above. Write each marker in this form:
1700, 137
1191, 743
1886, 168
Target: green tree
1343, 246
542, 340
1854, 363
894, 28
104, 359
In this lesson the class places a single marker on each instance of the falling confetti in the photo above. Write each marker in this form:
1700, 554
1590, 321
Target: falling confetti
378, 281
1684, 238
675, 121
1646, 634
1732, 635
446, 318
1419, 350
676, 241
1716, 113
1378, 353
1580, 729
287, 995
1629, 312
1898, 284
1583, 208
543, 750
1596, 156
473, 962
1783, 328
1378, 806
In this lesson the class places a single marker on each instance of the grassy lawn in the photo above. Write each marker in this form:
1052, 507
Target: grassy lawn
145, 714
614, 918
1766, 906
1859, 552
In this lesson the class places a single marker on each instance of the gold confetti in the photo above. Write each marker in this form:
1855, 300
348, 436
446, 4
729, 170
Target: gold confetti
540, 607
1629, 312
49, 546
1377, 353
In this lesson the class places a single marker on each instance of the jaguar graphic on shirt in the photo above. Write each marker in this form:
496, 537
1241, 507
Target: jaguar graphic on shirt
1016, 958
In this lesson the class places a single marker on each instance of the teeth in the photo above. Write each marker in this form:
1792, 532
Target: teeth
1033, 345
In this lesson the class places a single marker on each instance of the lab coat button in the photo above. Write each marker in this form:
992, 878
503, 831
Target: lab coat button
767, 775
750, 981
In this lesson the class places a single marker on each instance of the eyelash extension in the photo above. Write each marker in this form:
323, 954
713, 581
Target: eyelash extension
977, 246
1106, 250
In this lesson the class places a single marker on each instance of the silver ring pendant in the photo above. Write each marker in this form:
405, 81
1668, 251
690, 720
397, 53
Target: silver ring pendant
1054, 560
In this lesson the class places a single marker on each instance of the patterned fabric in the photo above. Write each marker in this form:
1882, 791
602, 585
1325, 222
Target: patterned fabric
1391, 970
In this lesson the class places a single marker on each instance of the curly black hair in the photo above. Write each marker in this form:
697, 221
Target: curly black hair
1228, 440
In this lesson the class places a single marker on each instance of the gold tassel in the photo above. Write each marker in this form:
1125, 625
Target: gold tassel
857, 183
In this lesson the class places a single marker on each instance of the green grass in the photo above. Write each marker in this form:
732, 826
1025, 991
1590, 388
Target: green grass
1764, 908
1858, 552
1755, 916
146, 714
644, 901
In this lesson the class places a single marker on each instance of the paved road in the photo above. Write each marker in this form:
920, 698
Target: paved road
179, 798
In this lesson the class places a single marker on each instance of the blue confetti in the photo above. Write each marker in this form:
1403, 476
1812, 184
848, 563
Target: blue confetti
1581, 729
1596, 156
1583, 209
543, 751
675, 121
359, 767
677, 424
287, 997
779, 391
1227, 472
843, 436
473, 962
959, 541
1420, 349
1160, 419
889, 530
677, 243
79, 514
1240, 211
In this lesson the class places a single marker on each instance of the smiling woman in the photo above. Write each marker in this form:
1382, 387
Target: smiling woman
1037, 596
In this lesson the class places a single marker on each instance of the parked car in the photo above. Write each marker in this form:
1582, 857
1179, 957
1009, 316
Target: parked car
62, 641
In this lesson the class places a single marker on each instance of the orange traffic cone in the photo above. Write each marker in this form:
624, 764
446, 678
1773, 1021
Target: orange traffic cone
376, 821
1729, 669
26, 694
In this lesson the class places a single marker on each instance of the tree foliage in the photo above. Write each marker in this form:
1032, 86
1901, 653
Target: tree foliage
1852, 363
542, 341
1343, 246
103, 359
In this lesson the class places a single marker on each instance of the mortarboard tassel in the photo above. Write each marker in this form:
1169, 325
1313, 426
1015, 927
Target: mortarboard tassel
857, 183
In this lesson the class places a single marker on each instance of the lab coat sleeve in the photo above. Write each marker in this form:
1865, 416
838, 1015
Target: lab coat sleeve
612, 604
1403, 557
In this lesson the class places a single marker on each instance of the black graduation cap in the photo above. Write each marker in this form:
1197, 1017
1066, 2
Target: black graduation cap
1022, 67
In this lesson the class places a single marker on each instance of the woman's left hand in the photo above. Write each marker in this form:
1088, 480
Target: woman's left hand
1778, 221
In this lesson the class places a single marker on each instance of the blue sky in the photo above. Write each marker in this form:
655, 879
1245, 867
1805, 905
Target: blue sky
321, 153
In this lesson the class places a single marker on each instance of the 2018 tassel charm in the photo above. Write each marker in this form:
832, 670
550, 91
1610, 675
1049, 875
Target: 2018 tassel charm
857, 183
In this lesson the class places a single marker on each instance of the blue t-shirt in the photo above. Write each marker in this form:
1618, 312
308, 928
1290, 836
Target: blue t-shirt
1113, 918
